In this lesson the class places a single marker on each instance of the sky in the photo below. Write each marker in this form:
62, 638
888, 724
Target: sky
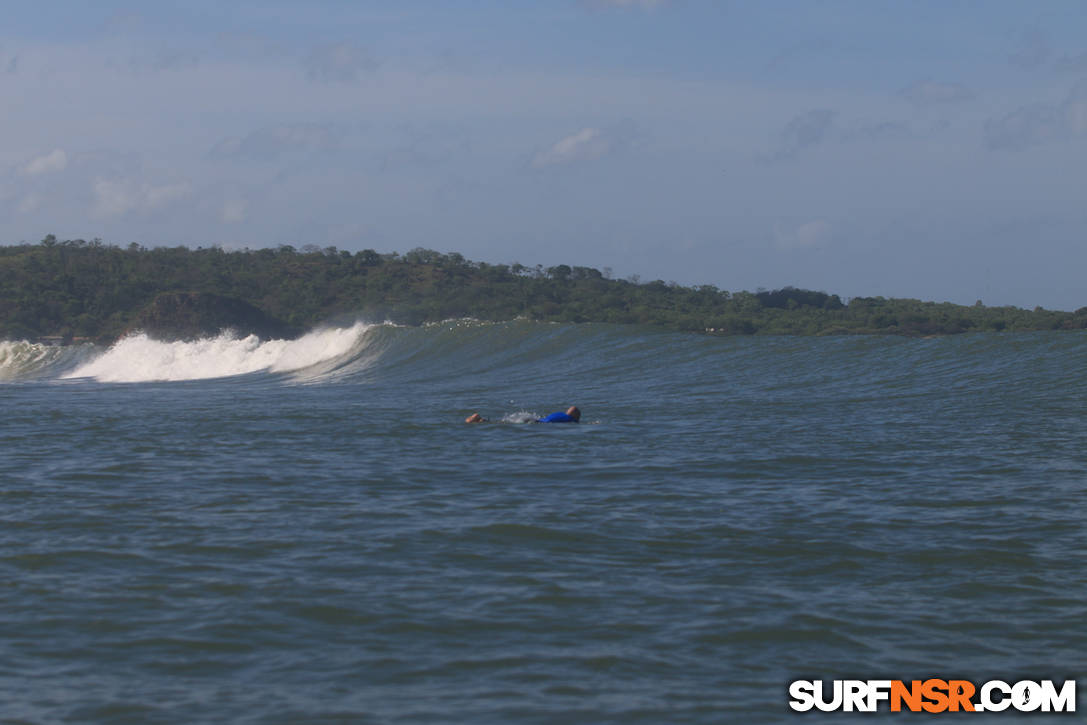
934, 149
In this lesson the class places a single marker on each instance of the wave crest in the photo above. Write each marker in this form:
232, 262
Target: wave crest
21, 360
138, 358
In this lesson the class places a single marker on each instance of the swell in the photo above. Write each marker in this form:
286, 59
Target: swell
453, 350
21, 360
467, 355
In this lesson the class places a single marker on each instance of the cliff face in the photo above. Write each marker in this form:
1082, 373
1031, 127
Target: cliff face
190, 315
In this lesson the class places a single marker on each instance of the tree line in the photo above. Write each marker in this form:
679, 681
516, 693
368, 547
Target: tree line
80, 289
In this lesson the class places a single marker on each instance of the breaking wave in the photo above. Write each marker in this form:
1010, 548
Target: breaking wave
139, 358
34, 361
450, 350
492, 364
322, 353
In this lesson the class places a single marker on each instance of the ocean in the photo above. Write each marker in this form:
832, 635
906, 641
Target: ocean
238, 531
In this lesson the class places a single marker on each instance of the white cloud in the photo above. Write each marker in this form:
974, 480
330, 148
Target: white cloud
248, 45
274, 141
339, 62
1026, 126
55, 160
116, 198
1075, 108
29, 203
931, 93
879, 131
164, 60
1072, 63
633, 3
1032, 49
805, 131
1040, 123
810, 234
112, 198
157, 196
233, 211
585, 145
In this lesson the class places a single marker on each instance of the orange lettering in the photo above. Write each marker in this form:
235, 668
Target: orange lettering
959, 694
911, 695
934, 690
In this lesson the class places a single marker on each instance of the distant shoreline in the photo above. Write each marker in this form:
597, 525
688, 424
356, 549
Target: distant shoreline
78, 291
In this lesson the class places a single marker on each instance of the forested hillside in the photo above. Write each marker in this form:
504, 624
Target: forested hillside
93, 290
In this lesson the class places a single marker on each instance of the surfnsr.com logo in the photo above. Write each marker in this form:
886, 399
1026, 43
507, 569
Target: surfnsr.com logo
932, 695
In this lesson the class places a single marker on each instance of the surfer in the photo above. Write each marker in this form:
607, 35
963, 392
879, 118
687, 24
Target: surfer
572, 415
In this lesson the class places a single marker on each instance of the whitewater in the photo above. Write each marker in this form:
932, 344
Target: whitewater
259, 531
139, 358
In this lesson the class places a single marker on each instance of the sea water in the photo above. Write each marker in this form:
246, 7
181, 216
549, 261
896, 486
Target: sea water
247, 531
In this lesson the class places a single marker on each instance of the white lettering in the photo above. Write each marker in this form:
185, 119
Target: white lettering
853, 695
802, 692
835, 701
1026, 696
1063, 701
991, 705
878, 690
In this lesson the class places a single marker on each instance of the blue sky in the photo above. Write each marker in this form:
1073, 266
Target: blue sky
921, 149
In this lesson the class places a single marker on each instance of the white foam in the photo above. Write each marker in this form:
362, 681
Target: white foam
521, 416
140, 359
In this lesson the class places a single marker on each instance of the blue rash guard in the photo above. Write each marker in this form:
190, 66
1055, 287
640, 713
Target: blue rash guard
557, 418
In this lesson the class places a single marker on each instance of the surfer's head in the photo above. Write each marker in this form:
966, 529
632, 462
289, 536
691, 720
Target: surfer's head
474, 418
573, 412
